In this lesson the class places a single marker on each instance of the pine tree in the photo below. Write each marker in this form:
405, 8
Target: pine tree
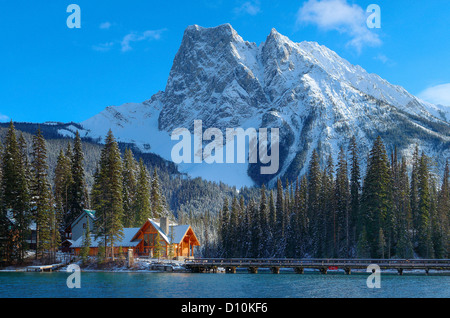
442, 238
1, 158
23, 149
254, 229
224, 233
381, 244
279, 226
303, 217
62, 186
425, 247
356, 223
101, 254
342, 208
42, 199
107, 195
404, 219
263, 226
376, 197
171, 247
314, 213
85, 249
362, 247
78, 200
156, 198
158, 249
131, 207
436, 239
390, 225
15, 198
55, 232
414, 193
233, 228
121, 255
142, 206
272, 224
294, 233
328, 212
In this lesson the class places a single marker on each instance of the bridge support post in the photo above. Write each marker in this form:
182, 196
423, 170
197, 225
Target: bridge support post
400, 271
427, 271
299, 270
348, 270
253, 270
231, 270
323, 270
275, 270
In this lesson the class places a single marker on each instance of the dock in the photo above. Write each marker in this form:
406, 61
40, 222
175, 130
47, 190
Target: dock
203, 265
44, 268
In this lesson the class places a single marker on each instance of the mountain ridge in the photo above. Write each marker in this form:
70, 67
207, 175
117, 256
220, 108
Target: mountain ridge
317, 99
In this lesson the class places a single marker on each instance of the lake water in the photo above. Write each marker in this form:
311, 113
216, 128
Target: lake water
239, 285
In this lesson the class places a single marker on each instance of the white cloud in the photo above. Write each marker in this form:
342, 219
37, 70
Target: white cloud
4, 118
103, 47
339, 16
439, 94
249, 7
384, 59
137, 37
105, 25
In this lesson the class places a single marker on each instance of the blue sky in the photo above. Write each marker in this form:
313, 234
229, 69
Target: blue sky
124, 50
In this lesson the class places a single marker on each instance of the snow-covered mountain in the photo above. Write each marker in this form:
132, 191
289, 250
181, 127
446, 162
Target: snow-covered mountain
317, 99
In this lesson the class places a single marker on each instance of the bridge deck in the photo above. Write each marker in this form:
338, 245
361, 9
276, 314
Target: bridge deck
43, 268
207, 264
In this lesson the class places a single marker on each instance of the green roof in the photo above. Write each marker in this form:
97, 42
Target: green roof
91, 213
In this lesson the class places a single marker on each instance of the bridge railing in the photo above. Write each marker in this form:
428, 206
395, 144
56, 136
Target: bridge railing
315, 262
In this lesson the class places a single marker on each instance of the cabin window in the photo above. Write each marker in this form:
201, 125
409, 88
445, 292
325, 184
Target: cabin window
146, 239
84, 225
150, 239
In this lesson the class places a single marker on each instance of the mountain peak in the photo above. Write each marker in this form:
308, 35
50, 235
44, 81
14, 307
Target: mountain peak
274, 32
276, 36
315, 98
223, 31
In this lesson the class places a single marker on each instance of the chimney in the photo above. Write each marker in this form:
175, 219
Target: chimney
164, 225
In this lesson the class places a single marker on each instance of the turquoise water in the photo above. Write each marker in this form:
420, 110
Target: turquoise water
240, 285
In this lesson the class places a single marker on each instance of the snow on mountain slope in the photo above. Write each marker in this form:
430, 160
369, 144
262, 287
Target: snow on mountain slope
317, 99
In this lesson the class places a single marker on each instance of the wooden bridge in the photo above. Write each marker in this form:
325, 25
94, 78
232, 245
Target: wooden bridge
202, 265
44, 268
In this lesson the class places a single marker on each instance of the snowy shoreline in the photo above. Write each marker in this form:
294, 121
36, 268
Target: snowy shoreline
153, 265
140, 265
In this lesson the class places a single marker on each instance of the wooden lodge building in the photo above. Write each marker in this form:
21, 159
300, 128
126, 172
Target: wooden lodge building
143, 240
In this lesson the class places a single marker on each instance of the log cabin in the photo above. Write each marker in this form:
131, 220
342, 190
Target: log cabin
75, 230
181, 237
143, 240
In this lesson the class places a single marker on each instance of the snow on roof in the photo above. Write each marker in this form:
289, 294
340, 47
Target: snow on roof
125, 242
10, 217
90, 213
178, 231
161, 232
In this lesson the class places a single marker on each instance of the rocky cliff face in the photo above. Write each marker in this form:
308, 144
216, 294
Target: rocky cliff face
317, 99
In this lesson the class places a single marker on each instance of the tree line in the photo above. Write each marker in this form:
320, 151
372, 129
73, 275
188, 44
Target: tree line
332, 212
396, 210
123, 195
